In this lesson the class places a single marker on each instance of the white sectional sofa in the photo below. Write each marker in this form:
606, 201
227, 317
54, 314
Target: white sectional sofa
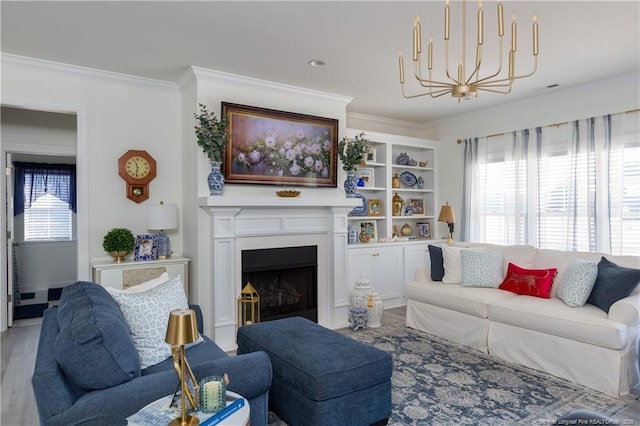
584, 344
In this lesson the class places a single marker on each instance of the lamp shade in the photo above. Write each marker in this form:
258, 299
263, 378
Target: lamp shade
446, 214
162, 216
182, 328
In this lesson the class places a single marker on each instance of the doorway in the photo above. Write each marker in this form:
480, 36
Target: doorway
37, 267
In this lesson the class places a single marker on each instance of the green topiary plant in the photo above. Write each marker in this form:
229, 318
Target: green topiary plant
118, 239
211, 134
352, 152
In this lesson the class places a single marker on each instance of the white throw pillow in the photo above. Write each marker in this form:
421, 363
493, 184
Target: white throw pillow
577, 282
452, 263
147, 285
147, 314
481, 268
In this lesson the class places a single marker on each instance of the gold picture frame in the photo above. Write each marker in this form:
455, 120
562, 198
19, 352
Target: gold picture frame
375, 207
272, 147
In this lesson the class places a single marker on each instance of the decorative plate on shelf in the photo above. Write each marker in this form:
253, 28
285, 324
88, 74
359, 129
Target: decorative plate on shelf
408, 179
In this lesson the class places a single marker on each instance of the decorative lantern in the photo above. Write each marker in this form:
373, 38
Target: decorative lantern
248, 306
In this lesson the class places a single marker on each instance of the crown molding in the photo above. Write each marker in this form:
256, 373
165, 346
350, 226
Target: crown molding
204, 74
385, 120
36, 64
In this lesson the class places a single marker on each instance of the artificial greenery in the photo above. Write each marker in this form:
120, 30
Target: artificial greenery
352, 152
118, 239
211, 133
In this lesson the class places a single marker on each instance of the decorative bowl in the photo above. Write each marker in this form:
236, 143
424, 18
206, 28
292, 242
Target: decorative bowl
288, 193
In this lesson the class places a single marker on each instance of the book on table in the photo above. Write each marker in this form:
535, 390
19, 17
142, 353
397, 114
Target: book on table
161, 412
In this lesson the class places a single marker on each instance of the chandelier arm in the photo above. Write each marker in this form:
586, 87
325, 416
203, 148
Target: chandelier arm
535, 68
435, 83
475, 72
430, 93
499, 65
496, 91
446, 61
430, 86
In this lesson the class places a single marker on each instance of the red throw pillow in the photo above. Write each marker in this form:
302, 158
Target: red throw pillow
531, 282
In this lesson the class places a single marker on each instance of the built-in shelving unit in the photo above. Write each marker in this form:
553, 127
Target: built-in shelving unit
378, 173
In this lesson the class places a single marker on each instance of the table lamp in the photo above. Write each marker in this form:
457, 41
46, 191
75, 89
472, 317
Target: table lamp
182, 329
446, 215
162, 217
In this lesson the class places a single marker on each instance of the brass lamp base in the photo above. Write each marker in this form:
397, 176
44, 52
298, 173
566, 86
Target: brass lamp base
450, 240
188, 421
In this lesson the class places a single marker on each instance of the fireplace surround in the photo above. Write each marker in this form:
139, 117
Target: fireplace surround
263, 222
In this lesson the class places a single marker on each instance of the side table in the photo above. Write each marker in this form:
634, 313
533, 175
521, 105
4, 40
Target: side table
159, 412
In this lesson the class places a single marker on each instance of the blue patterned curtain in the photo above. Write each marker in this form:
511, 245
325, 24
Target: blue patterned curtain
41, 178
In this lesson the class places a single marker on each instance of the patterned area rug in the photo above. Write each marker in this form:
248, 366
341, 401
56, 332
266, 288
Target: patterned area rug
436, 382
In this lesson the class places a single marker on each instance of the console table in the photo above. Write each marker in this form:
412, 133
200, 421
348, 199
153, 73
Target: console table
126, 274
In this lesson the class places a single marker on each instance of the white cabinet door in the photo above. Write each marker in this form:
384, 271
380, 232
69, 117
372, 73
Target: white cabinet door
360, 262
383, 267
388, 276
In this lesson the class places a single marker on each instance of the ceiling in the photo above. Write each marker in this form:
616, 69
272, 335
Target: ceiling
580, 42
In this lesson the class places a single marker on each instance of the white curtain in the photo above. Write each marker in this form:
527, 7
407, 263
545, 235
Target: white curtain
557, 187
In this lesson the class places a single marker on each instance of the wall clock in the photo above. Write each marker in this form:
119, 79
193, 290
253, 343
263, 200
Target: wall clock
137, 168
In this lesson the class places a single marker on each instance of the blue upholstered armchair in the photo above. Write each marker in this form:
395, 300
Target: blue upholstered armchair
100, 357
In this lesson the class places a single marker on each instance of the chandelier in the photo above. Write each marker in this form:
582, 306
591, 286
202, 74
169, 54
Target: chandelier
464, 85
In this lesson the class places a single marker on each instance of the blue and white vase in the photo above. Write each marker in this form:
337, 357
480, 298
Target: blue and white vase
215, 179
351, 184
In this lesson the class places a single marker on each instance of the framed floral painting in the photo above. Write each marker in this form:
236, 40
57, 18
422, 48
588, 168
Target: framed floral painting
279, 148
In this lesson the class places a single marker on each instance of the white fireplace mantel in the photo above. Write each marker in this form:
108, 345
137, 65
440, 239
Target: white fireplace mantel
245, 223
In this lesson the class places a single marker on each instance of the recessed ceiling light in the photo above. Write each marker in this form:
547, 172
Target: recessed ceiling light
317, 63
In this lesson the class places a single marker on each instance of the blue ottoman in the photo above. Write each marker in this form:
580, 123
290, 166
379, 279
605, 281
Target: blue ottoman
321, 377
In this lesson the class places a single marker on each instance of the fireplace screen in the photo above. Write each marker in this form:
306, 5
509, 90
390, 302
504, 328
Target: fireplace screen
286, 280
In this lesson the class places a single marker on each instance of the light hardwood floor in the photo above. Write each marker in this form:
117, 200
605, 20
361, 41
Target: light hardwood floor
18, 351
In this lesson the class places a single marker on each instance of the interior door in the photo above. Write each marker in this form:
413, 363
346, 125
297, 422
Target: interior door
9, 219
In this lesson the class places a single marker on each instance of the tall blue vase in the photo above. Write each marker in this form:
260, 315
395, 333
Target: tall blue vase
215, 179
351, 184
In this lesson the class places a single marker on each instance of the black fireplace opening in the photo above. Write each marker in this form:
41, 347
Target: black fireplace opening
286, 280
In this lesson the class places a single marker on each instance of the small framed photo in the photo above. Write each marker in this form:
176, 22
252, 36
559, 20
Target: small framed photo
423, 230
375, 208
366, 174
417, 205
370, 229
146, 247
371, 155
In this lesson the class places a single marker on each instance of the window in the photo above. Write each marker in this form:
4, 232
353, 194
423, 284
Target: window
571, 187
45, 194
48, 218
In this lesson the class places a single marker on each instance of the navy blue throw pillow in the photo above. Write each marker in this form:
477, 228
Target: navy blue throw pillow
437, 263
614, 282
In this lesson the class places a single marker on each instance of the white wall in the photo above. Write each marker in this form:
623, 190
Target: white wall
115, 113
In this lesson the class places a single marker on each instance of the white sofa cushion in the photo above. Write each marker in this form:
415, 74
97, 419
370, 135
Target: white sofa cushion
587, 324
470, 300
